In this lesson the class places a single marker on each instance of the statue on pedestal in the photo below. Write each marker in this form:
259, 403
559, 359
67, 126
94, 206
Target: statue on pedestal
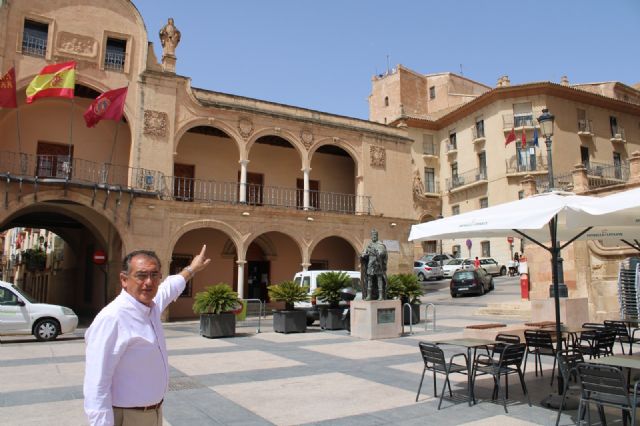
169, 37
373, 262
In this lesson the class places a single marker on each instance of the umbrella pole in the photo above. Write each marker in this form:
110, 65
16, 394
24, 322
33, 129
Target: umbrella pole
555, 255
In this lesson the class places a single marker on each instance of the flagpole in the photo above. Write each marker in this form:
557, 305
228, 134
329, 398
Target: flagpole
70, 136
115, 137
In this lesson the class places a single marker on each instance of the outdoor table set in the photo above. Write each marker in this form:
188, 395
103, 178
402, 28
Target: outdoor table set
503, 357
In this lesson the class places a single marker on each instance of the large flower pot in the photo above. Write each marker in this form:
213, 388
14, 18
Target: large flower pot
331, 319
289, 321
415, 314
218, 325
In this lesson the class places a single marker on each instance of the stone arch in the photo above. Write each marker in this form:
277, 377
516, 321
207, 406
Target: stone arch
14, 207
208, 122
342, 144
355, 242
272, 228
233, 234
284, 134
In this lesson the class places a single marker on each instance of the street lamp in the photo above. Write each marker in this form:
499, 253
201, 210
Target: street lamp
546, 128
441, 260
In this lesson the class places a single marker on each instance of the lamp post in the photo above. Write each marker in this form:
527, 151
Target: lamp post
441, 260
546, 127
546, 121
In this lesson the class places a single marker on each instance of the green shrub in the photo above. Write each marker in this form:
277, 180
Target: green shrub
288, 292
329, 286
216, 299
404, 287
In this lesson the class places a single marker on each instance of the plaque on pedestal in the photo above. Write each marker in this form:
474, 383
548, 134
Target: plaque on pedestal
376, 319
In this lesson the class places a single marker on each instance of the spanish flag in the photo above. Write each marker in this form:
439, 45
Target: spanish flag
8, 90
57, 80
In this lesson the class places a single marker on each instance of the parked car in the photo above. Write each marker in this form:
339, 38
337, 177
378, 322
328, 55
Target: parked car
22, 315
435, 257
309, 279
492, 267
451, 266
475, 281
427, 270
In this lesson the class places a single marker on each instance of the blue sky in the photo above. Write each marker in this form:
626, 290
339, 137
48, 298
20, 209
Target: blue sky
322, 54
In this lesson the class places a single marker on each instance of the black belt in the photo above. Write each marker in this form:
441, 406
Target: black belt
147, 408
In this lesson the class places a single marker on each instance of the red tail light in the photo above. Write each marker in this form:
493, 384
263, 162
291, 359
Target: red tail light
313, 300
426, 268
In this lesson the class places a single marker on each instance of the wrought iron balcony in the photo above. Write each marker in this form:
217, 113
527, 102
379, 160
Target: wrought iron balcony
114, 60
585, 127
59, 169
468, 178
478, 134
617, 135
510, 121
537, 166
603, 174
430, 149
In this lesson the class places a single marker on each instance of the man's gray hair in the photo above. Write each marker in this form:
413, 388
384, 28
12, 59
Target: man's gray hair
126, 262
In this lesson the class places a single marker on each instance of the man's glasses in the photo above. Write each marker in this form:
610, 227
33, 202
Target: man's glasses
143, 276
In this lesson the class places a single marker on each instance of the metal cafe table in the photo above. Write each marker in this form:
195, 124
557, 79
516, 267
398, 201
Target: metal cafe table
469, 343
622, 361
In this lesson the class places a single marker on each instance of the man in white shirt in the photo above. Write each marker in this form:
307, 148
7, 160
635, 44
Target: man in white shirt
127, 371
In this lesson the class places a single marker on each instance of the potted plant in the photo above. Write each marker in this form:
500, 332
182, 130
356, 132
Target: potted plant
328, 291
406, 288
289, 320
216, 305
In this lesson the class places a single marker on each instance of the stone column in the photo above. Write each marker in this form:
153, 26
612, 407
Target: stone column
360, 200
240, 281
634, 167
528, 184
305, 197
580, 180
305, 266
243, 180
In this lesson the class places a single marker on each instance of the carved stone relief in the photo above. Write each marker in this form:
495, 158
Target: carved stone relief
156, 123
378, 156
307, 138
76, 44
245, 127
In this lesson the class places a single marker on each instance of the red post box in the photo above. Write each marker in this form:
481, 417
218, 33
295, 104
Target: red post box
524, 286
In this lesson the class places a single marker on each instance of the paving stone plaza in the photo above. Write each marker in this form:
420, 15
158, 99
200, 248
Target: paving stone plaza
319, 377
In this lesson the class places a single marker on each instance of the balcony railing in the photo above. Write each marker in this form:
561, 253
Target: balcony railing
466, 178
47, 169
585, 127
432, 187
478, 133
514, 166
36, 46
114, 61
429, 148
510, 121
603, 174
617, 135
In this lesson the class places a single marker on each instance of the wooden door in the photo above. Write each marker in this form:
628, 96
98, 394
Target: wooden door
183, 181
54, 160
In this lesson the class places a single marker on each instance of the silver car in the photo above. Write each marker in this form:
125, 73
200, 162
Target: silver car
427, 270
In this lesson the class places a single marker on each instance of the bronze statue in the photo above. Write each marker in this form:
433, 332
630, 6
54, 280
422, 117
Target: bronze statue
169, 37
374, 269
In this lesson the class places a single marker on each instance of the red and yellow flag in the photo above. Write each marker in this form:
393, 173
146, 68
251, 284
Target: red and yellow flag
56, 80
8, 90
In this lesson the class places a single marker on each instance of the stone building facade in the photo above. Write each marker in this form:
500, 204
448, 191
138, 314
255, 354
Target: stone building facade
271, 189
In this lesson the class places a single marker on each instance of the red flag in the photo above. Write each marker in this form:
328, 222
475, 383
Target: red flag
510, 137
524, 139
8, 90
108, 106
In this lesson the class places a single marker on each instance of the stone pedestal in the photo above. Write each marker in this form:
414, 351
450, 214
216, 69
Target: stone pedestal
573, 312
376, 319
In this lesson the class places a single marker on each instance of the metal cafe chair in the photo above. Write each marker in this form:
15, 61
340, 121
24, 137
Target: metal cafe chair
622, 334
606, 386
596, 343
567, 361
539, 343
509, 362
434, 361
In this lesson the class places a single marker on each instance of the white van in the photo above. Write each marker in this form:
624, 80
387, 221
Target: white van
309, 279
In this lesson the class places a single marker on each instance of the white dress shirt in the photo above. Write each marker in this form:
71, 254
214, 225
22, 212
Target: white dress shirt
126, 356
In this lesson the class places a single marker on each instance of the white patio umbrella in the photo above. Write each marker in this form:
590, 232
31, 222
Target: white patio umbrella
548, 217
